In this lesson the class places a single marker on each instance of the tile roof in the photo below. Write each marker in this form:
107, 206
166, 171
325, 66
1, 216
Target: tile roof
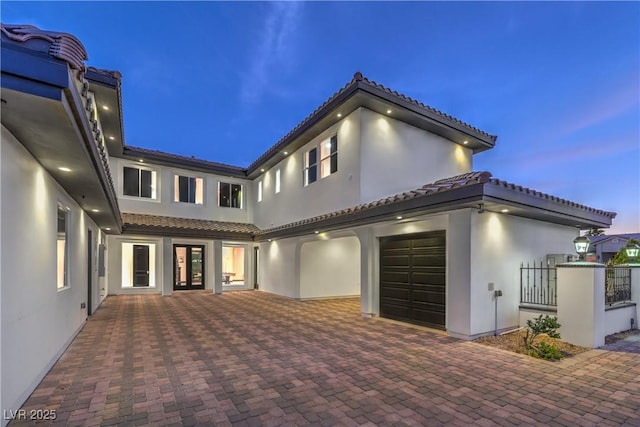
193, 161
62, 45
358, 78
185, 224
626, 236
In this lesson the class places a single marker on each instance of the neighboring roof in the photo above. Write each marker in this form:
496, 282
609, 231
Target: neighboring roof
154, 224
168, 159
604, 237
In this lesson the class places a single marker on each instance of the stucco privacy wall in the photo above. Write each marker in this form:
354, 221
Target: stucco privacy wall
38, 320
337, 191
164, 204
330, 268
397, 157
499, 243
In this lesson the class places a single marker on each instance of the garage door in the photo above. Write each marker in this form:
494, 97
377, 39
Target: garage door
412, 278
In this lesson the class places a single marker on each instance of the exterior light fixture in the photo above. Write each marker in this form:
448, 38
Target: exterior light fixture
504, 210
95, 210
632, 250
64, 169
339, 115
106, 108
111, 138
140, 160
316, 232
286, 152
398, 217
108, 229
582, 246
465, 142
388, 111
262, 170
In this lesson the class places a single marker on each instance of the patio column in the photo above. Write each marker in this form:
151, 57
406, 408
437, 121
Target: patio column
167, 266
369, 290
581, 305
635, 291
217, 267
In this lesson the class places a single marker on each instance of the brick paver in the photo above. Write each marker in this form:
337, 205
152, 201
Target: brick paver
255, 359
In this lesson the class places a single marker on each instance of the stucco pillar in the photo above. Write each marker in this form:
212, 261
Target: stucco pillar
635, 291
167, 266
217, 267
369, 298
581, 303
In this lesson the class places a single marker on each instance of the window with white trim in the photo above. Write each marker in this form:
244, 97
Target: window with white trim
62, 247
277, 181
138, 182
328, 160
229, 195
259, 191
187, 189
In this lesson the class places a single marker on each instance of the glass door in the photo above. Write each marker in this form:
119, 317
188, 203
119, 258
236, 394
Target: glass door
188, 267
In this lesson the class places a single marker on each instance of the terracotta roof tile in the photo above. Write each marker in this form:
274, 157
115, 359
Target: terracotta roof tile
135, 151
166, 222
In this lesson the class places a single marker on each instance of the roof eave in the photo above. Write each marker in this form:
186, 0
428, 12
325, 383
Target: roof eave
149, 230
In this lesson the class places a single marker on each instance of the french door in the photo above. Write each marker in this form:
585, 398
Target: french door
188, 267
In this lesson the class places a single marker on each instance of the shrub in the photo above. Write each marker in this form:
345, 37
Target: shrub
542, 325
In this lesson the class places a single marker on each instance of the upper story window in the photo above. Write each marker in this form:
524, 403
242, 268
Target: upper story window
259, 191
62, 246
328, 160
230, 195
277, 181
138, 182
188, 189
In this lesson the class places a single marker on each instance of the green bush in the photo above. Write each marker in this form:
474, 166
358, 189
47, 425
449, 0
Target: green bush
542, 325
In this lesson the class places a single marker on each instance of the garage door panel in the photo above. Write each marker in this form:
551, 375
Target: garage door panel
430, 278
395, 277
413, 278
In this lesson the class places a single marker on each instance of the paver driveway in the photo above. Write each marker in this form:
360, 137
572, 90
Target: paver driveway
251, 358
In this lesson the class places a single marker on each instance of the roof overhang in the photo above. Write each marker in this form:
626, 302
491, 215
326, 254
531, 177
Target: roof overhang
43, 109
106, 87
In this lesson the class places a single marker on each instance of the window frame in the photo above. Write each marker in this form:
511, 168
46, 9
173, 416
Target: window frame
321, 160
259, 191
60, 207
310, 168
153, 186
190, 178
231, 186
277, 183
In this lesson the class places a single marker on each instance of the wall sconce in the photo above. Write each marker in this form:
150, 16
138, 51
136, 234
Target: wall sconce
632, 250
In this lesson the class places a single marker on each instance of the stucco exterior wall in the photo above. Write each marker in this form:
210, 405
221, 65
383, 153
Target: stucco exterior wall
397, 157
337, 191
499, 243
38, 319
279, 267
330, 268
164, 203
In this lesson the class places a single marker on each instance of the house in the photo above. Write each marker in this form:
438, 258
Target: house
604, 247
373, 195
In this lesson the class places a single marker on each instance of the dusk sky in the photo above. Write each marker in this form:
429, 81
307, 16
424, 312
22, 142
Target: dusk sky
558, 83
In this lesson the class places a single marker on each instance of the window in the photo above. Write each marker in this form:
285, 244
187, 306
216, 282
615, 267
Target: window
188, 189
229, 195
328, 160
310, 166
62, 247
139, 182
259, 191
277, 181
329, 157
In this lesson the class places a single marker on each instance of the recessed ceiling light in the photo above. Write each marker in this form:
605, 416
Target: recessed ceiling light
95, 210
504, 210
64, 169
141, 161
108, 228
316, 232
388, 111
262, 170
104, 107
465, 142
286, 152
269, 239
339, 115
398, 217
111, 138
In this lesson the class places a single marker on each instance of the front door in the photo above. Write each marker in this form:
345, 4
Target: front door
188, 267
140, 265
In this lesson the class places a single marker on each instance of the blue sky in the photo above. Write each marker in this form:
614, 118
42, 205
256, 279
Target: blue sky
559, 83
